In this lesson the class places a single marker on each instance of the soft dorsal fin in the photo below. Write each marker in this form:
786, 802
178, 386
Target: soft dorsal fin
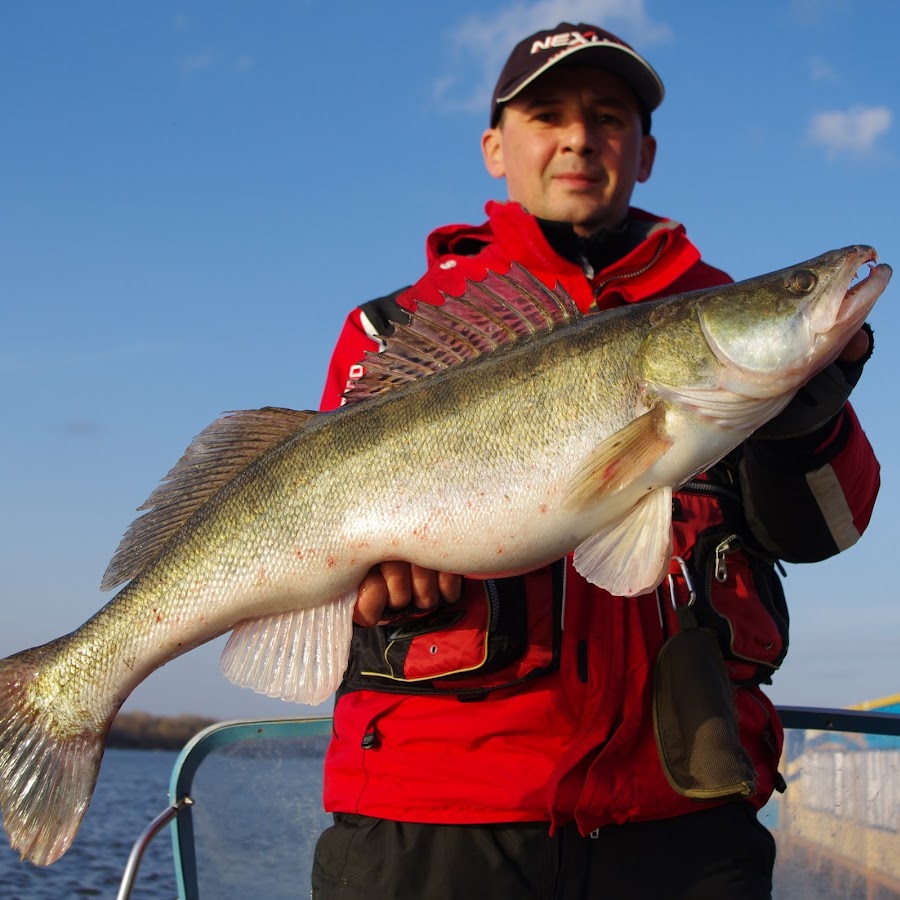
215, 456
497, 310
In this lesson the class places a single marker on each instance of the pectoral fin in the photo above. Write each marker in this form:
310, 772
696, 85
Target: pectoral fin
632, 556
620, 459
298, 656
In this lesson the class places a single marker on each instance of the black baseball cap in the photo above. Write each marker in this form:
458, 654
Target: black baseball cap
579, 45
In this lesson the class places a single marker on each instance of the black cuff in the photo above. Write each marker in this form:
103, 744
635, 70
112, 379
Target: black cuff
853, 370
807, 452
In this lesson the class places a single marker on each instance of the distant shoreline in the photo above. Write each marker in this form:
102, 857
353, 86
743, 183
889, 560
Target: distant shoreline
143, 731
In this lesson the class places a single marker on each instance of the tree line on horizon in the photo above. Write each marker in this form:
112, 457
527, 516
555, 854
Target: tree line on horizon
144, 731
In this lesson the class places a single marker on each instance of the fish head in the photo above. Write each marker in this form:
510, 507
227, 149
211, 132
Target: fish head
773, 333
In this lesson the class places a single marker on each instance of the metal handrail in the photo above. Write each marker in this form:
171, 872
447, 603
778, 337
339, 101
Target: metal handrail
851, 720
196, 751
129, 877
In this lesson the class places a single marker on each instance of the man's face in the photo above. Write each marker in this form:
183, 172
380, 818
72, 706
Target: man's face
571, 149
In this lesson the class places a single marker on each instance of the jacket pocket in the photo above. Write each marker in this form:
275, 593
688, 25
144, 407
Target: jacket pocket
740, 598
499, 633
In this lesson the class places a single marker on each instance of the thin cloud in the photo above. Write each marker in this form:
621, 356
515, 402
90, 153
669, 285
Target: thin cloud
208, 59
201, 61
821, 70
851, 132
817, 12
482, 42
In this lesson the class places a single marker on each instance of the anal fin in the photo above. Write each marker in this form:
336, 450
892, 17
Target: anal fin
299, 656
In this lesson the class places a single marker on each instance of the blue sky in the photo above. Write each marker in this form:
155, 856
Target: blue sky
195, 193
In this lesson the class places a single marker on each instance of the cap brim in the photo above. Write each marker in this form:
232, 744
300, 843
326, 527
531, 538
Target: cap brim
612, 57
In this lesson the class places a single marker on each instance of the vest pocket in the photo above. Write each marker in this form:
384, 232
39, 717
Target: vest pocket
740, 598
500, 632
694, 717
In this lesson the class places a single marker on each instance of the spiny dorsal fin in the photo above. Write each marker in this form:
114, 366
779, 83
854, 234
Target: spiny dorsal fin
215, 456
497, 310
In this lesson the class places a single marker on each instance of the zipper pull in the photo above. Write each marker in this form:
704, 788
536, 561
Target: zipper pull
720, 571
586, 267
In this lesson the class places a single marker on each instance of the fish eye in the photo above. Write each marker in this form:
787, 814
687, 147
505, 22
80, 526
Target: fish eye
801, 282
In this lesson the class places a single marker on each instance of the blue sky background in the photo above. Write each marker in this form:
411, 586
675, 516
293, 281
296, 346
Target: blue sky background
193, 194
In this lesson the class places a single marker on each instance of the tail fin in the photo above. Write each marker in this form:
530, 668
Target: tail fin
49, 760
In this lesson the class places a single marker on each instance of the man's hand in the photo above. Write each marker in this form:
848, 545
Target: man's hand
857, 347
391, 586
824, 395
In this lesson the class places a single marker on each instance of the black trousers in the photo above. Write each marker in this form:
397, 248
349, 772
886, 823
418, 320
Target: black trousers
722, 853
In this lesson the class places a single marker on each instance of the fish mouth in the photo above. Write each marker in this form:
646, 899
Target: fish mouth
832, 296
859, 298
838, 314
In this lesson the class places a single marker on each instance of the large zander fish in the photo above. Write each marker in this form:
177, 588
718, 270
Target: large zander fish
495, 434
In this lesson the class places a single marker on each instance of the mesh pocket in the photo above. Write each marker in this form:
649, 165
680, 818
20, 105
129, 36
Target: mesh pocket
695, 720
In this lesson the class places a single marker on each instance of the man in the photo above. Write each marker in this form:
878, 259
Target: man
529, 766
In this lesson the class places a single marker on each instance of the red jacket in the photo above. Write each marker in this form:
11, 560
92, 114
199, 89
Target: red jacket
511, 234
561, 729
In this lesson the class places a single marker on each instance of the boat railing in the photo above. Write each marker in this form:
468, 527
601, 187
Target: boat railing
245, 808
